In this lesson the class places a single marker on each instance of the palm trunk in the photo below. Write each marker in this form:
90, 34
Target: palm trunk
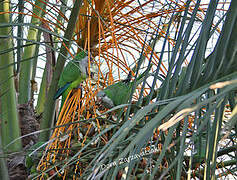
34, 64
3, 167
42, 93
9, 116
29, 52
20, 34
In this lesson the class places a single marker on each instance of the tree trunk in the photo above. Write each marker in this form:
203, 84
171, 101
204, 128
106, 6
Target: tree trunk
29, 52
9, 115
3, 167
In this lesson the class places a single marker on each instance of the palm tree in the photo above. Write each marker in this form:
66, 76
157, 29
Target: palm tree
171, 126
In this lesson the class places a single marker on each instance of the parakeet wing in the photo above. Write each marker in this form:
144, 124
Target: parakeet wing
70, 73
61, 90
118, 92
74, 69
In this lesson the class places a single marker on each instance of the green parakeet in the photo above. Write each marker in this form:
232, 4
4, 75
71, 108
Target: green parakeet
73, 74
119, 92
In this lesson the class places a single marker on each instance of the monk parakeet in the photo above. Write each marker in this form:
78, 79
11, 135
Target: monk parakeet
119, 92
73, 74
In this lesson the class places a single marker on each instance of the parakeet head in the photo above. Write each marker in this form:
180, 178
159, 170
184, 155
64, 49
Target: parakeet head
83, 65
104, 99
101, 94
82, 57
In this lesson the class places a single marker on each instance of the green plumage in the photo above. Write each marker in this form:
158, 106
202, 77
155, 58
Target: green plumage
73, 74
119, 92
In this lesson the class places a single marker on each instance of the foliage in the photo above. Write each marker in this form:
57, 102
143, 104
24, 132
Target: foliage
179, 123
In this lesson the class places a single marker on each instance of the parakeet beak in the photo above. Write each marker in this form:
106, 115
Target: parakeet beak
103, 99
99, 99
100, 96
